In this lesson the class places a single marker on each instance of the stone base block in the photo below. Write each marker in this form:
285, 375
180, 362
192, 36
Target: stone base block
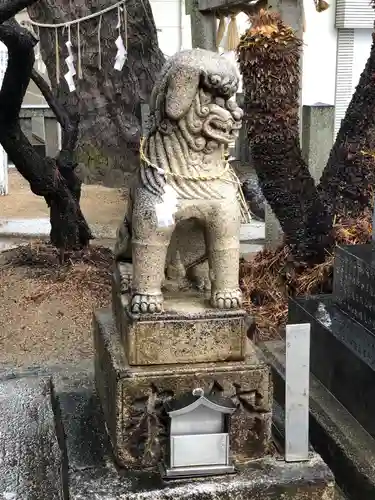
132, 399
191, 331
264, 479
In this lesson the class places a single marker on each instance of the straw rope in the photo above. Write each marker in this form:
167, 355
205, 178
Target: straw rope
246, 217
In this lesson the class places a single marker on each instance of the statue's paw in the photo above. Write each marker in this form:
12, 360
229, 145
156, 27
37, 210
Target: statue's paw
227, 299
143, 304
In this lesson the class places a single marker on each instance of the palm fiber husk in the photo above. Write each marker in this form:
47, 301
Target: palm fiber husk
273, 276
321, 5
269, 56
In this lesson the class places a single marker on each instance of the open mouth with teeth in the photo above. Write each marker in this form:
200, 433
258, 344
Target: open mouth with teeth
219, 130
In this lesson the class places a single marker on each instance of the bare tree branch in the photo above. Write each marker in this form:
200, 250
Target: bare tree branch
20, 44
53, 179
9, 8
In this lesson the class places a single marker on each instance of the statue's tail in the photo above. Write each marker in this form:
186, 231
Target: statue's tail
123, 251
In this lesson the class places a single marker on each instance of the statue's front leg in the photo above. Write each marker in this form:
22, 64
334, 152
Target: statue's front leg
223, 230
149, 251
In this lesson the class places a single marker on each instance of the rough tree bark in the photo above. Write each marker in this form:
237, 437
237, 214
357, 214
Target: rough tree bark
52, 178
347, 183
107, 100
269, 54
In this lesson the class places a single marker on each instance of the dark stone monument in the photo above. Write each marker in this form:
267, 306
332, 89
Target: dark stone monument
342, 363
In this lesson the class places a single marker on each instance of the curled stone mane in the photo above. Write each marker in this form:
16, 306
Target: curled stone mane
193, 117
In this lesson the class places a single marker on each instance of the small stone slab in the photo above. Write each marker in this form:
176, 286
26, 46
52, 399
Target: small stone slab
132, 398
31, 459
188, 331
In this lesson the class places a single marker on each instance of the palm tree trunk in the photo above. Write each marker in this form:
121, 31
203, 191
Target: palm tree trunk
269, 55
347, 183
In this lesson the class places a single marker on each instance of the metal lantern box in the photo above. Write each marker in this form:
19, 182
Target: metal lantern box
199, 435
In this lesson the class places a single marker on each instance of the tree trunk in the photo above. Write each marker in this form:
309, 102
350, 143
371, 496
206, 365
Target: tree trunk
53, 179
269, 55
107, 100
347, 182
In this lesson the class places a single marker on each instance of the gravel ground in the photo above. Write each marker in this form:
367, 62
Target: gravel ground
45, 309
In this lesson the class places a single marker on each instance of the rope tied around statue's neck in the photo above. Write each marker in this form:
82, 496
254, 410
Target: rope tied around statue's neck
227, 169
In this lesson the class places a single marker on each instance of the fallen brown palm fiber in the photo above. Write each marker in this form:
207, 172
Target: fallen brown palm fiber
88, 269
273, 276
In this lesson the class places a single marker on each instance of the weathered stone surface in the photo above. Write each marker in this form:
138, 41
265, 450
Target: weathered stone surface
267, 479
188, 331
32, 465
193, 120
317, 136
86, 439
132, 399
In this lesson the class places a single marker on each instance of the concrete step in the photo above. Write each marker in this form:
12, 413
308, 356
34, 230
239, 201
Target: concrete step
41, 227
93, 474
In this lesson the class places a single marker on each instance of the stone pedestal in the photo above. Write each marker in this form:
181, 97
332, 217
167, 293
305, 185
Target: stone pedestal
143, 364
189, 330
133, 397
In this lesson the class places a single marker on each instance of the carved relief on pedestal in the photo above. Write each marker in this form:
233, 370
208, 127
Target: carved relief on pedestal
145, 432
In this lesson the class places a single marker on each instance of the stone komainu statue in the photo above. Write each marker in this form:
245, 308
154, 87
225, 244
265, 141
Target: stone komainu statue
193, 118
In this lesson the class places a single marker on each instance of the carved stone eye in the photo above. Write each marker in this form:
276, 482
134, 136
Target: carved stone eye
215, 79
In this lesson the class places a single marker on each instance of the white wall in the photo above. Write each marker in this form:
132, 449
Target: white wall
168, 17
362, 46
319, 51
319, 55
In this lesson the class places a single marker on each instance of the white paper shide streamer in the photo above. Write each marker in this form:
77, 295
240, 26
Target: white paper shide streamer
69, 76
167, 208
121, 55
40, 66
121, 42
122, 52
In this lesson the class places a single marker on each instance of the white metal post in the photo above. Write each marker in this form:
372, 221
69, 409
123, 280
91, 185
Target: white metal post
3, 155
297, 388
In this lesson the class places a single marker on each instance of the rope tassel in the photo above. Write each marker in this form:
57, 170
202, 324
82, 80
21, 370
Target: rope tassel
57, 50
220, 31
233, 37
